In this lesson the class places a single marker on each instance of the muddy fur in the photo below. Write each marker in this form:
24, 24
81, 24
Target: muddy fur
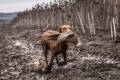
58, 44
55, 47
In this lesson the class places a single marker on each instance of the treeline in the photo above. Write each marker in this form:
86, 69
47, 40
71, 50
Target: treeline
83, 15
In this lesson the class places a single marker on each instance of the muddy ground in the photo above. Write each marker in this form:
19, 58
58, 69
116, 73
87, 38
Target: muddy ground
20, 59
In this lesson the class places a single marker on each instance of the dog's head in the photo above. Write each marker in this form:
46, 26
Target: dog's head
65, 28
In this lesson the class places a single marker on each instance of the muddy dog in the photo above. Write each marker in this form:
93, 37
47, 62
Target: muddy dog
57, 43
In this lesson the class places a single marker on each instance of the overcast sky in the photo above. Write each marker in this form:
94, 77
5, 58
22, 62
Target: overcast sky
18, 5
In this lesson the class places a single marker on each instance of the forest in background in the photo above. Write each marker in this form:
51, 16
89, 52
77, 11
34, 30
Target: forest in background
83, 15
